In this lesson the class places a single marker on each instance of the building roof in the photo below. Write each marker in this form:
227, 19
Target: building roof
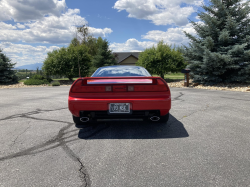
121, 56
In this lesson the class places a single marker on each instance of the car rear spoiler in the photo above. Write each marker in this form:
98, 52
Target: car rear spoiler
119, 80
101, 84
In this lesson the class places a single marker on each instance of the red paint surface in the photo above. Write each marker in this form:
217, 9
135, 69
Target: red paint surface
93, 97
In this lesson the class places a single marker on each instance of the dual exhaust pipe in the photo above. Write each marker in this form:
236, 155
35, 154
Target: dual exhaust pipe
153, 118
84, 119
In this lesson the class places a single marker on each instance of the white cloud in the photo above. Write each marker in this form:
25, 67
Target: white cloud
28, 10
172, 35
20, 26
131, 45
100, 32
6, 26
50, 29
38, 21
25, 54
170, 16
160, 12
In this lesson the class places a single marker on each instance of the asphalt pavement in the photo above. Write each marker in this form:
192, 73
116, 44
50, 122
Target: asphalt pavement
205, 143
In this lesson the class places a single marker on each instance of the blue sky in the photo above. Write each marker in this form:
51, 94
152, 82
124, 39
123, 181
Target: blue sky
31, 28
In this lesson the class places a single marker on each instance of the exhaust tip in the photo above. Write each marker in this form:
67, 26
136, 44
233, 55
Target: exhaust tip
154, 118
84, 119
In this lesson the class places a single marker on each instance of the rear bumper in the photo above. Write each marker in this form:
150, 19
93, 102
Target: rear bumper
76, 105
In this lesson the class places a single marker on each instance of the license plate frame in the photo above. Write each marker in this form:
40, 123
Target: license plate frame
119, 108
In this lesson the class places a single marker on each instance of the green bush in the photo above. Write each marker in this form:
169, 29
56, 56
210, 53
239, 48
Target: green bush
40, 77
56, 83
35, 82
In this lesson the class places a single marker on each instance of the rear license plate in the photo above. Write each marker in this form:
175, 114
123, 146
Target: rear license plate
119, 108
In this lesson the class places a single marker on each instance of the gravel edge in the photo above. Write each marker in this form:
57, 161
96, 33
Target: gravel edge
222, 86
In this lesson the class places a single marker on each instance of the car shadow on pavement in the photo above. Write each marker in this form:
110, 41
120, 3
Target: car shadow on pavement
134, 130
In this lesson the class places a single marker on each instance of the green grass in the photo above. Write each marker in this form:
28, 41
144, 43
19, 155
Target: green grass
22, 80
173, 77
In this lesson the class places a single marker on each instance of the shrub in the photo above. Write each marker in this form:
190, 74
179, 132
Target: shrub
56, 83
40, 77
35, 82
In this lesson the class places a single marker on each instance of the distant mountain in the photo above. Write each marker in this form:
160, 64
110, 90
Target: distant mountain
31, 66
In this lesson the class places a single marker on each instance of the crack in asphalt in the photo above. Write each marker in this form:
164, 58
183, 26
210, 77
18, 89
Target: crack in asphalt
20, 135
83, 172
178, 97
59, 140
38, 111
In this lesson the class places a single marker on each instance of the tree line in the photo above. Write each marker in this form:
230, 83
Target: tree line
218, 52
82, 57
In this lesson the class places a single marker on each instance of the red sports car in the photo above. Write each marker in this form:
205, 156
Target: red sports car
119, 92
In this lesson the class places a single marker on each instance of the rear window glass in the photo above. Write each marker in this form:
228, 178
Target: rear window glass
121, 71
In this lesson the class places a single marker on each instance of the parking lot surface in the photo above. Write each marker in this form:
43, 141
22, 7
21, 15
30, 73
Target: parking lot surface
205, 143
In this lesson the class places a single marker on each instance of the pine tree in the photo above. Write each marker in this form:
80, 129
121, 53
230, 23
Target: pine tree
221, 50
104, 56
7, 76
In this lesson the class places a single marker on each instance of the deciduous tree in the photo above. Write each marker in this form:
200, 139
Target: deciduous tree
161, 59
64, 62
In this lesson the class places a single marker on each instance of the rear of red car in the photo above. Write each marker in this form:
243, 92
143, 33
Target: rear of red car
95, 98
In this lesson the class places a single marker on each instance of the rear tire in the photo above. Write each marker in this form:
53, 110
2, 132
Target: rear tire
164, 119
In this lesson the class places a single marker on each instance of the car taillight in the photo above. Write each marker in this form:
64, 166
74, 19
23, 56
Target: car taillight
161, 85
130, 88
77, 86
108, 88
